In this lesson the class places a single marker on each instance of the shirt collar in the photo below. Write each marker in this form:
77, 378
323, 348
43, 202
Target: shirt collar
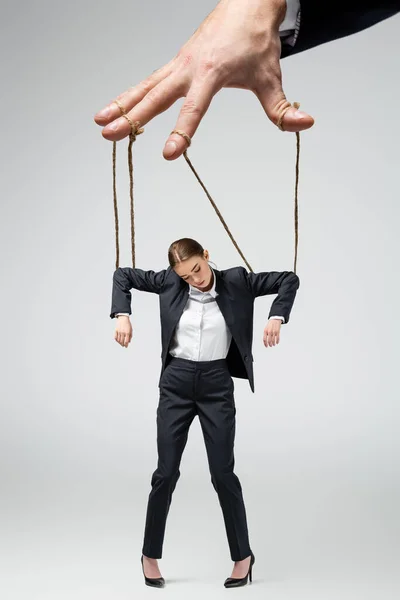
212, 291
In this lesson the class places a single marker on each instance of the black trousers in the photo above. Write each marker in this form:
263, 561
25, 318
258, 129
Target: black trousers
189, 388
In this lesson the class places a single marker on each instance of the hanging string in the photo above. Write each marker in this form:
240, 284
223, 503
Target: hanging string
296, 202
217, 211
282, 111
135, 131
187, 138
116, 220
132, 208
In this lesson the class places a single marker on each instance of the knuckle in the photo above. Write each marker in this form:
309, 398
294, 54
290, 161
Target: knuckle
186, 58
191, 107
147, 84
153, 96
207, 66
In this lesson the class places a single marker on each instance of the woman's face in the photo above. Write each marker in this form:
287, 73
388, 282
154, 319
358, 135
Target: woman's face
196, 272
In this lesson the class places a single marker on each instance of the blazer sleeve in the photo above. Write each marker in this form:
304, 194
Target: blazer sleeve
285, 284
126, 278
320, 24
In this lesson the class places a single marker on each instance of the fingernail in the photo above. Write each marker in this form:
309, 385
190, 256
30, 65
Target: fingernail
104, 113
170, 149
300, 114
113, 126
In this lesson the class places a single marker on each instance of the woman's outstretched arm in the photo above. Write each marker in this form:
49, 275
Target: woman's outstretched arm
126, 278
283, 283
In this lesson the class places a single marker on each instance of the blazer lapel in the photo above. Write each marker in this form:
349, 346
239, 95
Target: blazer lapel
223, 301
178, 304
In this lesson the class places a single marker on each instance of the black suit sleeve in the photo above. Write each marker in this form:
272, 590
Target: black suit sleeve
126, 278
285, 284
320, 23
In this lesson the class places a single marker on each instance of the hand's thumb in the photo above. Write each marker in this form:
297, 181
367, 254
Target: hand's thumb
278, 109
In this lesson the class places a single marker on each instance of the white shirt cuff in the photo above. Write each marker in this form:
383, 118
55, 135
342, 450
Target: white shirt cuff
282, 318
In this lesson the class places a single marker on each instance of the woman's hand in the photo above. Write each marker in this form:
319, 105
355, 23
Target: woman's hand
237, 46
272, 332
123, 332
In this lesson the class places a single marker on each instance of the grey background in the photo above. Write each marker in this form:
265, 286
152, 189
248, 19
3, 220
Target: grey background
317, 447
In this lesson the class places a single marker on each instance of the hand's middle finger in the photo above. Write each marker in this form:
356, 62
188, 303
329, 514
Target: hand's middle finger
121, 337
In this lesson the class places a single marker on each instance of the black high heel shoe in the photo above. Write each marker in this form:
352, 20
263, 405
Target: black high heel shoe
235, 582
152, 582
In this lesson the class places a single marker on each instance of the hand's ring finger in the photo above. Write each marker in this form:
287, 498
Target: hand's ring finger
120, 106
159, 99
132, 96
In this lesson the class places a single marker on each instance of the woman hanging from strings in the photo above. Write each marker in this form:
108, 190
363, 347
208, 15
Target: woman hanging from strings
207, 331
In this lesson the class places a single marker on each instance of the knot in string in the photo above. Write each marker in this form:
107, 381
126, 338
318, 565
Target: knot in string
135, 128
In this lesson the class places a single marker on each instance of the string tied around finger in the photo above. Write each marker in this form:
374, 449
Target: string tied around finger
221, 218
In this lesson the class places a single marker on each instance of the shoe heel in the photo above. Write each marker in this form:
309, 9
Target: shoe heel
152, 582
251, 574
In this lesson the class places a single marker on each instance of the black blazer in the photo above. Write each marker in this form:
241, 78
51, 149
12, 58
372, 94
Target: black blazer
322, 22
237, 290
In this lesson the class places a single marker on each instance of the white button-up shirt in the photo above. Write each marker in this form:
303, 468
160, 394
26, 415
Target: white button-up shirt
202, 333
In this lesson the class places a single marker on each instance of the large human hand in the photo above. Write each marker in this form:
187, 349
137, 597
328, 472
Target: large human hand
238, 46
